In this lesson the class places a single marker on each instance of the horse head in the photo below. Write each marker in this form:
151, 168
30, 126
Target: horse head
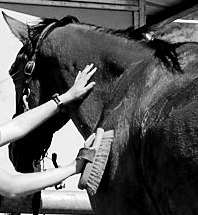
27, 87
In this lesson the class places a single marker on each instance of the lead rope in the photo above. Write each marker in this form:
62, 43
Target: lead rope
54, 161
61, 185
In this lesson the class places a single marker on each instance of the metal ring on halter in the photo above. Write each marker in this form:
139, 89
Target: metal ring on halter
26, 91
25, 103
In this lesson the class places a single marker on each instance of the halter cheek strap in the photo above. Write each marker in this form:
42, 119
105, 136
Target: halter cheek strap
30, 66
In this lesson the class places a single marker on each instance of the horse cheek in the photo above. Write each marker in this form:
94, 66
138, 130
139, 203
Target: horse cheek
35, 91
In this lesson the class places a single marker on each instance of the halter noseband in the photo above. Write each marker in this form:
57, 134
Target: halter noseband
30, 66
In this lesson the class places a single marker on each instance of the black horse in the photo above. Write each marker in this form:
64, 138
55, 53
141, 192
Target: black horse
147, 91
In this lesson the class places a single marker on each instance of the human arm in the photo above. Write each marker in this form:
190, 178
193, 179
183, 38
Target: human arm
13, 186
28, 121
20, 184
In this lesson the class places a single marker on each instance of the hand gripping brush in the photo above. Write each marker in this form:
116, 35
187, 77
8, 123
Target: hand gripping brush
96, 158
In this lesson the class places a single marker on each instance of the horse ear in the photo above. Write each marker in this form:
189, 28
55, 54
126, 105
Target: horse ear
18, 28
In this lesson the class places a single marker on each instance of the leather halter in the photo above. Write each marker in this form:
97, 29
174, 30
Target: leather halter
30, 66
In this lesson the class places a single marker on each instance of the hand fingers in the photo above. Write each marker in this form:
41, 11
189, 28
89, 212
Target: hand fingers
87, 73
92, 72
89, 141
89, 86
86, 76
77, 77
87, 68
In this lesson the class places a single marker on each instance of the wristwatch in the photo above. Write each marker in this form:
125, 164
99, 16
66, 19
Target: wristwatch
59, 103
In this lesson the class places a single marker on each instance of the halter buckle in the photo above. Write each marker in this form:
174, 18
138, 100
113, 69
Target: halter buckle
29, 67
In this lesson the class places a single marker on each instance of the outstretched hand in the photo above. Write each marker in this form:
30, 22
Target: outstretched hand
80, 87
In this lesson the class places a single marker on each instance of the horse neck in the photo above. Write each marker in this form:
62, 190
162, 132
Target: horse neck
111, 54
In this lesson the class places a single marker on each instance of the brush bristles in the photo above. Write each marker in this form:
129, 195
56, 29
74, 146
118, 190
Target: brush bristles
93, 172
98, 167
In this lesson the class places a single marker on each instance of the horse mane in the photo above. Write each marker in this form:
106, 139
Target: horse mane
36, 29
163, 50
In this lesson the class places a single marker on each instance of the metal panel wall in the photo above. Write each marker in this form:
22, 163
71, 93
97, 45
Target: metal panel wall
120, 8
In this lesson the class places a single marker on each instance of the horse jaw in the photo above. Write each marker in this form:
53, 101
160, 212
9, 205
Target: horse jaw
18, 28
